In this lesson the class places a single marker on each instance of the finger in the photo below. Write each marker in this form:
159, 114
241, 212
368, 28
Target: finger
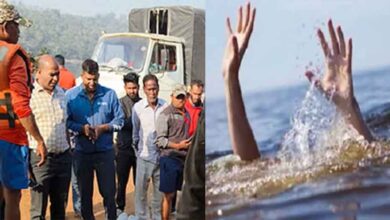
229, 26
312, 79
342, 41
324, 44
309, 75
247, 16
335, 44
239, 25
249, 28
349, 56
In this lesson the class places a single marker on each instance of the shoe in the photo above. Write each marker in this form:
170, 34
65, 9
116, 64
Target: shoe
122, 216
119, 212
77, 215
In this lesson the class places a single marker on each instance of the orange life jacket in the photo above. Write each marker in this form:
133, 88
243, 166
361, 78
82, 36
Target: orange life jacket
8, 118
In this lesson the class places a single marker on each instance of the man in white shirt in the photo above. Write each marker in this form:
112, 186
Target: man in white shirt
144, 117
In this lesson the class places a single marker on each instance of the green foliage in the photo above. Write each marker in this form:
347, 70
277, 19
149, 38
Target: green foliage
72, 36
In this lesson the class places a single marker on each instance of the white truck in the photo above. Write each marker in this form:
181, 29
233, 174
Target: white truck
166, 41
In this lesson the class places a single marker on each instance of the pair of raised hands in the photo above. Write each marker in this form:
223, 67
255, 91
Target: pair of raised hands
336, 82
94, 132
338, 58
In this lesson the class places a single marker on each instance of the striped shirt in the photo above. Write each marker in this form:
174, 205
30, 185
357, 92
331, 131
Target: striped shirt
50, 113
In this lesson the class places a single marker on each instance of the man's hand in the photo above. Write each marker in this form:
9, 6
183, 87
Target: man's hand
237, 41
337, 80
89, 131
241, 135
100, 129
184, 144
41, 151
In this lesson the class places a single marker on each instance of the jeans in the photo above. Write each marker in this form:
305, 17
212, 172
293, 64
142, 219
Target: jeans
75, 190
103, 164
145, 171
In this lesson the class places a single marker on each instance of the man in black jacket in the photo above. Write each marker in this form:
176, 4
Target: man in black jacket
125, 157
192, 203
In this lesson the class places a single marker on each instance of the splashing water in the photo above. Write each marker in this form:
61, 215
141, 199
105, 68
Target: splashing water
320, 143
316, 127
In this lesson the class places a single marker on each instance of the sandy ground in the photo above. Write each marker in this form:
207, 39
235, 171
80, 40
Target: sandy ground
97, 203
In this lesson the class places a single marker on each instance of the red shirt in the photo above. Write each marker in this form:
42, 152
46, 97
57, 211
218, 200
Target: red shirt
67, 79
194, 115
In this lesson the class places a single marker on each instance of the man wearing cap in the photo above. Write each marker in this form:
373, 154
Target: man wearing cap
125, 157
173, 141
15, 113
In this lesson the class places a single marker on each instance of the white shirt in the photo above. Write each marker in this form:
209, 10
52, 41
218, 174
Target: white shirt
49, 112
144, 119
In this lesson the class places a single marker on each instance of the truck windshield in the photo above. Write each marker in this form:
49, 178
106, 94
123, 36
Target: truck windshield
122, 51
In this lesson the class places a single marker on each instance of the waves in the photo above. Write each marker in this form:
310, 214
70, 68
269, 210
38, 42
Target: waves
321, 160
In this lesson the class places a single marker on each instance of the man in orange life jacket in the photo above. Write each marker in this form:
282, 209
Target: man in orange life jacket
15, 112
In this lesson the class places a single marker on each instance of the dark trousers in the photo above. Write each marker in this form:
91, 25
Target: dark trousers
2, 208
103, 164
124, 162
50, 180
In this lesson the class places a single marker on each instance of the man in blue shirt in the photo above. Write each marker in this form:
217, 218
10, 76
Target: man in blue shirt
94, 113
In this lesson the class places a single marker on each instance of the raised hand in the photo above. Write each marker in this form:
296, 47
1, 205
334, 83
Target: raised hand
337, 80
238, 40
241, 135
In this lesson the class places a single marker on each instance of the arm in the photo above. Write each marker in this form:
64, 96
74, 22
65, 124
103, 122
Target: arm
21, 101
184, 144
162, 131
338, 79
162, 135
116, 123
136, 127
241, 135
127, 125
70, 123
32, 128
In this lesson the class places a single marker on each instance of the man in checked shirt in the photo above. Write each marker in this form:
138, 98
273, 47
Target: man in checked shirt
53, 177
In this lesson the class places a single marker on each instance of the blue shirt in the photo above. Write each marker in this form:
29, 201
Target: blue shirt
104, 108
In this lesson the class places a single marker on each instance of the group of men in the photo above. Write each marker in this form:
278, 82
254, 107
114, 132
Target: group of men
70, 136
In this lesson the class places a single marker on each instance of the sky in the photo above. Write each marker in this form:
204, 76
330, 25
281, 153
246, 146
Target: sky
93, 7
284, 40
